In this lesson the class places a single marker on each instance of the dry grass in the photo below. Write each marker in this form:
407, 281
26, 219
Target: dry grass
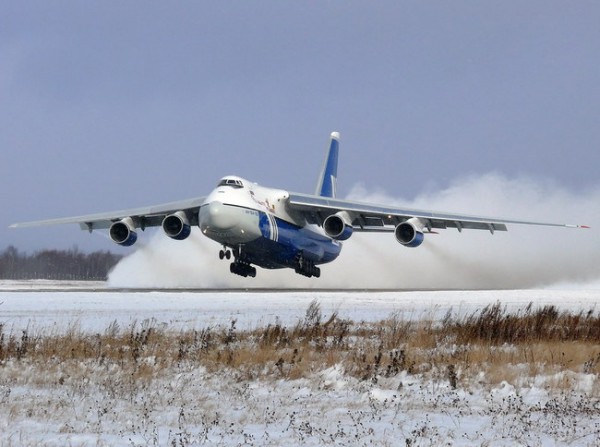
504, 346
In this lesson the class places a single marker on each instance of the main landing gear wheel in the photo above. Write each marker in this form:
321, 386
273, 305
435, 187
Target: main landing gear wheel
307, 268
242, 269
241, 265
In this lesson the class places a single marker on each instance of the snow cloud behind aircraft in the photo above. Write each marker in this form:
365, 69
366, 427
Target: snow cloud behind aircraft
520, 258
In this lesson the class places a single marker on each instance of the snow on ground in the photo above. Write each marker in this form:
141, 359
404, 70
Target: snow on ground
95, 309
188, 405
193, 407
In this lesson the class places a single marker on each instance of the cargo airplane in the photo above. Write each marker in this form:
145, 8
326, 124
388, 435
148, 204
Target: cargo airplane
273, 228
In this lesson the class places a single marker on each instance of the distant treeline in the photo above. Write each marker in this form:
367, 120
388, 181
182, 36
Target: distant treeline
56, 264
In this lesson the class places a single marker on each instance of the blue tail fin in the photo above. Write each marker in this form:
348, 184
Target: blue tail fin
328, 179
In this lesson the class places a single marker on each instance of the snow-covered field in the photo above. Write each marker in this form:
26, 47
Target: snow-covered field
93, 306
85, 404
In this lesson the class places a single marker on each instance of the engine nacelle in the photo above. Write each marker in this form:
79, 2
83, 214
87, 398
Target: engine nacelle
338, 226
123, 232
410, 233
177, 226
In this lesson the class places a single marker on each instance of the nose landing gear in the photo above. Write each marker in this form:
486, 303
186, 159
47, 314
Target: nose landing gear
225, 253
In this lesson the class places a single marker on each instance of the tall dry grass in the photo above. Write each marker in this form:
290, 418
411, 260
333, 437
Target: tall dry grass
492, 341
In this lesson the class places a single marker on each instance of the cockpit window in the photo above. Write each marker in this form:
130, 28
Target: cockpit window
231, 182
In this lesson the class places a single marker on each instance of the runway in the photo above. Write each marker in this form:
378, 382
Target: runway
92, 307
100, 286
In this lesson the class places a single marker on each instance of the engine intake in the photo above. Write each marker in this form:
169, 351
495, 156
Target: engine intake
123, 232
177, 226
338, 226
410, 233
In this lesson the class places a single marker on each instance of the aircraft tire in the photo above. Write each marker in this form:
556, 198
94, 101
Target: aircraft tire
242, 269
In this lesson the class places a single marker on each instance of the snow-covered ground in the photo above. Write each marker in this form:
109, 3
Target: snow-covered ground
189, 405
93, 307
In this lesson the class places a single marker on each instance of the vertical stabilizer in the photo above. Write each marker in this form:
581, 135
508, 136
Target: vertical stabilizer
328, 179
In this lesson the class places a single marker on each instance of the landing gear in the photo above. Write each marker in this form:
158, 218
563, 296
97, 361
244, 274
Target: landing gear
242, 269
240, 266
306, 268
224, 254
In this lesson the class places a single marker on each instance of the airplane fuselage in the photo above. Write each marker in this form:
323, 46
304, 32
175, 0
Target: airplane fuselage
254, 223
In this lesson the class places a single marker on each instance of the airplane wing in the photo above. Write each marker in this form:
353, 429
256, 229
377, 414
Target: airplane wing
369, 217
150, 216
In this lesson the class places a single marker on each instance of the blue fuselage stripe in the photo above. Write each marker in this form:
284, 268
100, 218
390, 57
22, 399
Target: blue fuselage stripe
282, 241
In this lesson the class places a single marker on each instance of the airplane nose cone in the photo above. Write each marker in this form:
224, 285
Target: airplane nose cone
216, 217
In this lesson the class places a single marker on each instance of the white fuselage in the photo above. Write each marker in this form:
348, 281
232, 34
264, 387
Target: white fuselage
243, 215
231, 214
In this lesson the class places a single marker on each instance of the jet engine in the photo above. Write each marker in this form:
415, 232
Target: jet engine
338, 226
123, 232
177, 226
410, 232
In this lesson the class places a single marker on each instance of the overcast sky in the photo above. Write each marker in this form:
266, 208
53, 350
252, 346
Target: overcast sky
108, 105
